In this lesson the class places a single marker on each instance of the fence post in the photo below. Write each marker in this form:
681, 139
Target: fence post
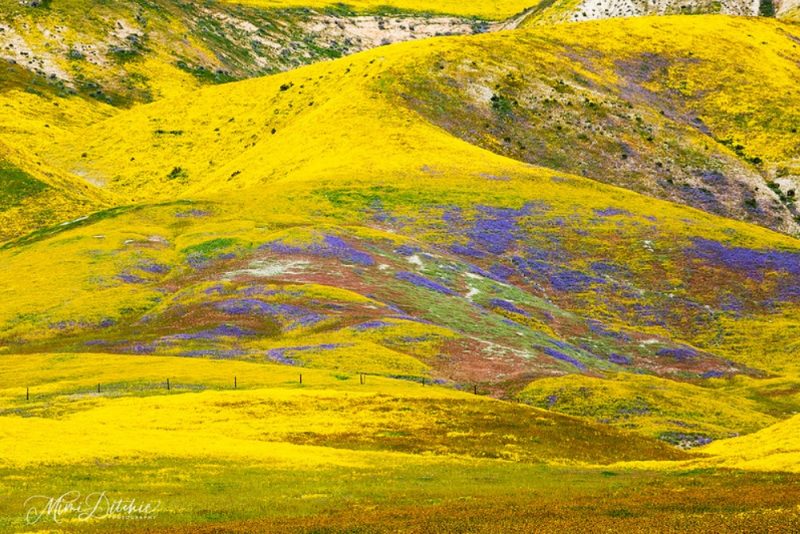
167, 384
27, 393
235, 385
361, 375
301, 378
98, 388
475, 389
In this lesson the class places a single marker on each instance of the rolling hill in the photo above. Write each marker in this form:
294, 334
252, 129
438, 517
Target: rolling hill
503, 270
463, 273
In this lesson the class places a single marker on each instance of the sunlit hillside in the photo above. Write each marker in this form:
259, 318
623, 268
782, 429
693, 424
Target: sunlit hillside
470, 8
432, 282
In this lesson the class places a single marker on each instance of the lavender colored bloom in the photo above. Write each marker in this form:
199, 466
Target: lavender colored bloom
563, 357
508, 306
619, 359
493, 230
569, 280
279, 356
369, 325
713, 374
600, 329
247, 307
292, 316
192, 213
141, 348
700, 197
421, 281
611, 212
131, 279
501, 272
309, 319
715, 178
731, 303
680, 353
224, 330
223, 354
154, 268
754, 263
216, 289
331, 247
337, 247
197, 261
468, 251
406, 250
608, 269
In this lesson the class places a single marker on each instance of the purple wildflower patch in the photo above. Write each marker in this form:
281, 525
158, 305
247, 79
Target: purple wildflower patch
131, 279
331, 247
465, 250
292, 316
713, 374
600, 329
371, 325
213, 353
508, 306
192, 213
754, 264
279, 356
501, 272
680, 353
406, 250
224, 330
197, 261
421, 281
619, 359
142, 348
611, 212
553, 353
154, 268
569, 280
608, 269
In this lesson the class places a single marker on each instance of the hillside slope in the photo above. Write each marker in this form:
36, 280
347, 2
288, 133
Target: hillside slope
34, 195
644, 103
775, 448
132, 51
392, 247
640, 120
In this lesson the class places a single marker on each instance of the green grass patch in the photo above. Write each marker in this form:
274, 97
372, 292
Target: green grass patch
17, 185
